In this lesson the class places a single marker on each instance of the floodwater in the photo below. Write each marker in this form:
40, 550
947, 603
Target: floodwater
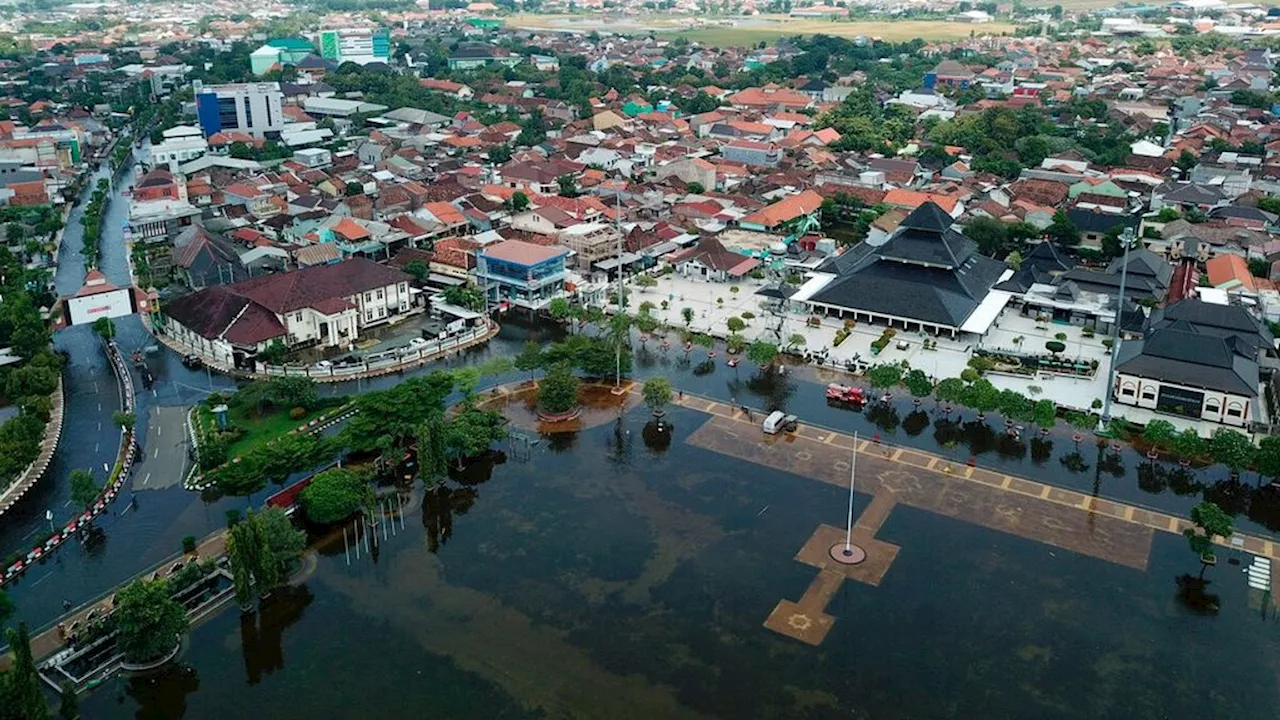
612, 573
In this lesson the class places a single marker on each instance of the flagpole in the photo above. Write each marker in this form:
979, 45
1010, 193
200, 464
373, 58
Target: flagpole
853, 467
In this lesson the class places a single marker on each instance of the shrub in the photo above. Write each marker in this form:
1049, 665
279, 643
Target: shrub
189, 544
297, 413
748, 315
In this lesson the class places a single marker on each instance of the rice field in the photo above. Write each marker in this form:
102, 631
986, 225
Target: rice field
751, 30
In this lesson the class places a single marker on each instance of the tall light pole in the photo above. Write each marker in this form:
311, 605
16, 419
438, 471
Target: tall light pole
622, 308
1126, 239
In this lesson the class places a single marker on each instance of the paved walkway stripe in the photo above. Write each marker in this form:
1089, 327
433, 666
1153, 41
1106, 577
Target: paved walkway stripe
1154, 519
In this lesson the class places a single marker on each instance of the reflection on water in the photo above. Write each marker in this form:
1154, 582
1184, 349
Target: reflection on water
262, 632
629, 579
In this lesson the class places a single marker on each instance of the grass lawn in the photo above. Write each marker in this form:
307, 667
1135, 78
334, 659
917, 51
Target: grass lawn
750, 31
258, 430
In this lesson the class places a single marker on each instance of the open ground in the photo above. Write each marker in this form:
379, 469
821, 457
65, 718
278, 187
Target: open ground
751, 30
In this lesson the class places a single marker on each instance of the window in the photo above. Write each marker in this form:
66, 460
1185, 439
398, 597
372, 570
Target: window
1233, 412
1148, 394
1211, 406
368, 297
298, 317
379, 294
368, 315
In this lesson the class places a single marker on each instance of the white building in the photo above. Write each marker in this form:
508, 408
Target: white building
181, 144
254, 108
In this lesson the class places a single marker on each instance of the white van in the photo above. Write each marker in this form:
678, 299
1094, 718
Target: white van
779, 421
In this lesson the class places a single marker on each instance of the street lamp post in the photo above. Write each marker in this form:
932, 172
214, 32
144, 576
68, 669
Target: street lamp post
1126, 239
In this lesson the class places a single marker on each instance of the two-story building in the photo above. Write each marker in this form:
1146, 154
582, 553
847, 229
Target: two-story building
520, 273
325, 305
1199, 360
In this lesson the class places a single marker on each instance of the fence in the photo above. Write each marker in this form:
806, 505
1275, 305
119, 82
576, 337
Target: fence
28, 478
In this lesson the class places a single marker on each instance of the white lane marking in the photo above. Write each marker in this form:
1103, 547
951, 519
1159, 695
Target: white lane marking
156, 454
145, 479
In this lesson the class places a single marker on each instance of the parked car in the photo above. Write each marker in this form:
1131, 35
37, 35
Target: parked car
192, 362
779, 421
418, 343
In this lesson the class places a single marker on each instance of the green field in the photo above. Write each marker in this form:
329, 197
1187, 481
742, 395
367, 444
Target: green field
259, 430
750, 31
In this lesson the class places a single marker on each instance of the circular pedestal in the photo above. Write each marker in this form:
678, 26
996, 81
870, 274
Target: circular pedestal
847, 554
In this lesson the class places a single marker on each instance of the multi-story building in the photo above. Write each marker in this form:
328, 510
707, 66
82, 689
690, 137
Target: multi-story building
322, 305
253, 108
181, 143
277, 53
359, 46
590, 242
520, 273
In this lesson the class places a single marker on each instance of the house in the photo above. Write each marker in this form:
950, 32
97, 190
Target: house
710, 260
793, 210
202, 258
949, 73
750, 152
1196, 359
926, 277
324, 305
1094, 226
590, 242
475, 55
521, 273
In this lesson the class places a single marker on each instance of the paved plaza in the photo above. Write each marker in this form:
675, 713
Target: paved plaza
1086, 524
714, 303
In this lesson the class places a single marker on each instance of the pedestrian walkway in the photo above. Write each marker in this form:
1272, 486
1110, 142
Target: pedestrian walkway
47, 641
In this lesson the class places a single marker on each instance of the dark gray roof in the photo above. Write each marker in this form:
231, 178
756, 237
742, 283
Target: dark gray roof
1148, 276
1040, 266
1191, 193
926, 271
1201, 345
1099, 222
1243, 212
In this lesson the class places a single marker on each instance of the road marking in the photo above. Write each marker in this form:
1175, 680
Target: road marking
159, 430
95, 447
46, 577
99, 424
145, 479
155, 454
66, 503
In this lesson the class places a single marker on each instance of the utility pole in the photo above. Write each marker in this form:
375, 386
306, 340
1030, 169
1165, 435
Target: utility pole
1126, 239
617, 224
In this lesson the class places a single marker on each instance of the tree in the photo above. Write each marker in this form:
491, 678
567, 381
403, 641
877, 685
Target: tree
735, 324
657, 394
1063, 231
762, 353
884, 375
472, 431
277, 531
1015, 406
433, 449
20, 687
687, 314
273, 354
530, 357
353, 188
84, 489
467, 296
334, 495
6, 608
694, 188
951, 390
990, 234
1045, 413
1188, 445
292, 392
982, 396
1268, 457
568, 186
1210, 522
68, 704
105, 328
1159, 433
123, 419
1232, 449
917, 383
796, 341
558, 391
559, 309
148, 621
519, 201
418, 269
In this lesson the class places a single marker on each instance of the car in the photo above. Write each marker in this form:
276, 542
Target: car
323, 365
191, 362
779, 421
418, 343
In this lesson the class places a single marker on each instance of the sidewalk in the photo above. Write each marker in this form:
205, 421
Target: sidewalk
45, 642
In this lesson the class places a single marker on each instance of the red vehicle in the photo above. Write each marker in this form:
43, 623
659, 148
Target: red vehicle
845, 394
